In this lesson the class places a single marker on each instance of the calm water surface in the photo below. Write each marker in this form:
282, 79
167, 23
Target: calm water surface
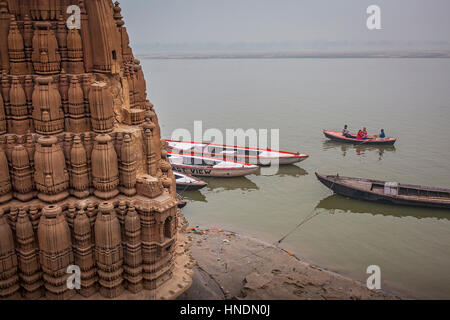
410, 98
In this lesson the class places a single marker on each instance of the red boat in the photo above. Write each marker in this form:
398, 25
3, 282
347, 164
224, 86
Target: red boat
371, 140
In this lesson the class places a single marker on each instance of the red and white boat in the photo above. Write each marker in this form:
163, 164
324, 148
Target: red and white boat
260, 157
209, 167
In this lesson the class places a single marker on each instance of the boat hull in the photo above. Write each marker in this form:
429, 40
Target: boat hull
190, 183
263, 162
347, 191
337, 136
201, 171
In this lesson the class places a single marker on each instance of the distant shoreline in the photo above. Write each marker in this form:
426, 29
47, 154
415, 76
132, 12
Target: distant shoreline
301, 55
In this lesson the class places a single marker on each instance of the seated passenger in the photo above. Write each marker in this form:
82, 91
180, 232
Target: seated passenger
360, 135
365, 132
382, 134
345, 132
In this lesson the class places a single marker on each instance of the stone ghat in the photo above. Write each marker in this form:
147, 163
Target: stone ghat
129, 243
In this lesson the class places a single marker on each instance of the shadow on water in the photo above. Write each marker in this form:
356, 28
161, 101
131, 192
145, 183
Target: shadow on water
288, 171
337, 202
194, 196
238, 183
358, 149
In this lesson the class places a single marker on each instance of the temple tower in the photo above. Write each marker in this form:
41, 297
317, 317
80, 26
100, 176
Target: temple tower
76, 130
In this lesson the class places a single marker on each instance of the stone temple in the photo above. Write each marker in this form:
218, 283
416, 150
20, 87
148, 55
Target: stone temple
86, 189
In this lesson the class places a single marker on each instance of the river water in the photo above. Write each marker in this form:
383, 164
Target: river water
410, 98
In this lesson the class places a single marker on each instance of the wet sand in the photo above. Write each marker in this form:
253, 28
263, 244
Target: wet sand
237, 267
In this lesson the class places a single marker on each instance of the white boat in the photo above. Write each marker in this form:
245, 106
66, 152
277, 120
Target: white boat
188, 183
261, 157
209, 167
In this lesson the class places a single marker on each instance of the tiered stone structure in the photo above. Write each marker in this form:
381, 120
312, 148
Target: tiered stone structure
84, 177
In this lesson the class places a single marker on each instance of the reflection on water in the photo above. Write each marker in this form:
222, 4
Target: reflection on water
289, 171
226, 184
359, 149
337, 202
194, 196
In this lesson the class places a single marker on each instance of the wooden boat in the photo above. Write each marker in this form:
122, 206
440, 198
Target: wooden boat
387, 192
371, 140
209, 167
255, 156
188, 183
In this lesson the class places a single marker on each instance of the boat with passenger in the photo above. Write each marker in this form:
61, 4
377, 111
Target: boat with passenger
260, 157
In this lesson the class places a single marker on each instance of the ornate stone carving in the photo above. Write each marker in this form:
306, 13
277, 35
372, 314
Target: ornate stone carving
18, 120
9, 280
105, 170
83, 248
28, 255
51, 176
108, 251
22, 174
46, 57
47, 113
102, 114
79, 171
55, 252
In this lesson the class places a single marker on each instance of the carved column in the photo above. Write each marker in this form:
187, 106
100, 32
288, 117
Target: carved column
9, 280
83, 248
22, 174
128, 168
108, 251
51, 176
101, 107
29, 268
48, 115
105, 171
79, 182
55, 253
133, 252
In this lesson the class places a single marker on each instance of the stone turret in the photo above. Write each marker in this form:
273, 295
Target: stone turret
28, 255
55, 252
9, 280
108, 251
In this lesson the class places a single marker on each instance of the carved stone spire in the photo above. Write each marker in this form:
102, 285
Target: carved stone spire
84, 253
19, 119
74, 52
128, 168
55, 252
5, 181
105, 171
108, 251
22, 174
9, 279
51, 176
28, 255
76, 120
47, 113
102, 114
16, 49
79, 182
133, 251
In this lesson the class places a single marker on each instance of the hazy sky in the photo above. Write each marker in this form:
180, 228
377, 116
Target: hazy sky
153, 22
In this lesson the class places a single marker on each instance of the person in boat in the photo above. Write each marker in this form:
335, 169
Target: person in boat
365, 134
345, 132
382, 134
360, 135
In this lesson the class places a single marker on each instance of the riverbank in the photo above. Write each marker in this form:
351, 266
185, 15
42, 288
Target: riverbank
234, 266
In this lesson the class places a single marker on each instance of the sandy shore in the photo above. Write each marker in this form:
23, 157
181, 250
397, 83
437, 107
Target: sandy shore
233, 266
